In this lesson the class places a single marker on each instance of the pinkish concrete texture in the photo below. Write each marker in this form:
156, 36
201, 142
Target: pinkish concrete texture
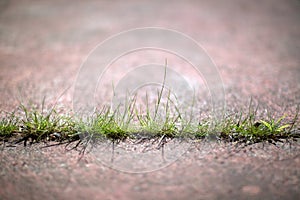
255, 45
205, 171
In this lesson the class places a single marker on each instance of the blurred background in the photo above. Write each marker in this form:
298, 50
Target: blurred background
255, 45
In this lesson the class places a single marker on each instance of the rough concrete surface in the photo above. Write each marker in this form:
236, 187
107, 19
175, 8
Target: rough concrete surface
255, 45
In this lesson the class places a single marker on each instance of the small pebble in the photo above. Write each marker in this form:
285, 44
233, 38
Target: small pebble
251, 189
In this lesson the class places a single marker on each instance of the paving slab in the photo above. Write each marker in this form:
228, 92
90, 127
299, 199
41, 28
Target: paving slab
254, 44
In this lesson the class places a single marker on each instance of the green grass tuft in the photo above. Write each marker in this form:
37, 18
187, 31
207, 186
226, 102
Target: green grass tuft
161, 119
42, 126
104, 124
8, 125
39, 125
246, 128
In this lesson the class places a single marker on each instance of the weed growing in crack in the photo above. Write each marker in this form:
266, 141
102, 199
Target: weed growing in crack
247, 128
161, 119
37, 126
8, 125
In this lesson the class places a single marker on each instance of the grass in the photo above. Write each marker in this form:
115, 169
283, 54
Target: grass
8, 125
36, 126
159, 119
247, 128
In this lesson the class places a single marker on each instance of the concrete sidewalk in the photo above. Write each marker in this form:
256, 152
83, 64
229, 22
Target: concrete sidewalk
255, 45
